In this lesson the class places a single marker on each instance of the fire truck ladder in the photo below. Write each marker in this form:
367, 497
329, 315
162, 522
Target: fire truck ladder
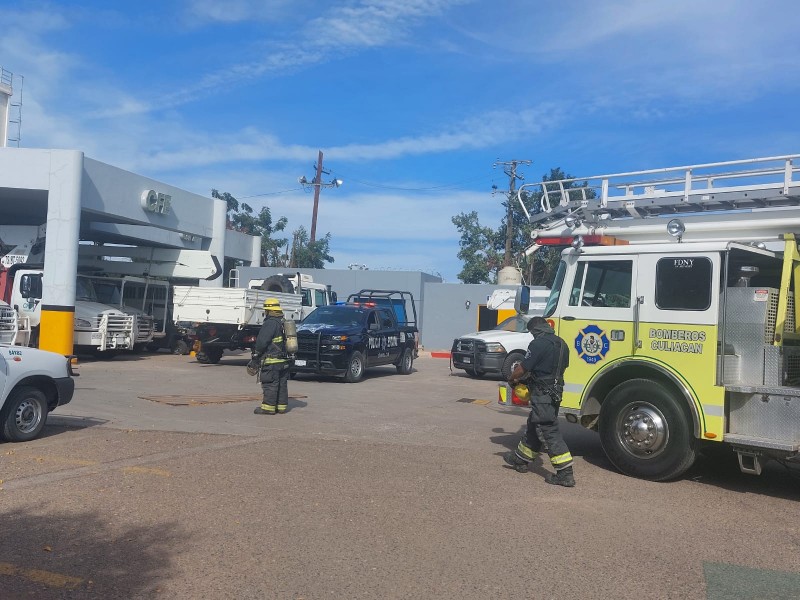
724, 188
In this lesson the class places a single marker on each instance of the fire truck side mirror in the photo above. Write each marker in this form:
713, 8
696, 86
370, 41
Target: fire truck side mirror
522, 300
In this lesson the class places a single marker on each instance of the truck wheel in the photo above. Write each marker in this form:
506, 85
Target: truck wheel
646, 432
511, 361
278, 283
24, 414
210, 356
404, 367
355, 368
180, 347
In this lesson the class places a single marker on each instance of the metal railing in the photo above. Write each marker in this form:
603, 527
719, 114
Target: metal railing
703, 187
6, 77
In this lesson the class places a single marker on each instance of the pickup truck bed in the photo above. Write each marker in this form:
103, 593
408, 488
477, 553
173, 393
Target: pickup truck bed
232, 306
226, 318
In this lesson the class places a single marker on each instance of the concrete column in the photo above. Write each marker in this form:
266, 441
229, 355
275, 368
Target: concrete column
61, 251
255, 259
217, 245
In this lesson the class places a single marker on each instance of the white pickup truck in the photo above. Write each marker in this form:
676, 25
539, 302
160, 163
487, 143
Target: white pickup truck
32, 383
497, 351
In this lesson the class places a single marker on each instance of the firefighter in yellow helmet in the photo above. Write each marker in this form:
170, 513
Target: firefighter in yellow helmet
271, 353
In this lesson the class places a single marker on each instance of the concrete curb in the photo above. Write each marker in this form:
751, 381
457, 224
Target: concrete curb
435, 353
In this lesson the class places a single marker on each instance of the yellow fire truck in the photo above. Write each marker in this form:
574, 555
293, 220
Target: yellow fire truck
677, 296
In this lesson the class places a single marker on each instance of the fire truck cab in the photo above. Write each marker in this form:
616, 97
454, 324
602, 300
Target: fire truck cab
682, 323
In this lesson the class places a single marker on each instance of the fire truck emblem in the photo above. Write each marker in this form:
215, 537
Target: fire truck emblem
592, 344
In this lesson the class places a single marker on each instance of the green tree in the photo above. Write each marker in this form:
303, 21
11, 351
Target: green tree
479, 249
482, 248
308, 255
241, 217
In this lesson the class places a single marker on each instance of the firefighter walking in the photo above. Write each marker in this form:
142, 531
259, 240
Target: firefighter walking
274, 363
542, 370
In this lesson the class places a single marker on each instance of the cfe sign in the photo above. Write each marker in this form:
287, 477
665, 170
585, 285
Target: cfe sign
156, 202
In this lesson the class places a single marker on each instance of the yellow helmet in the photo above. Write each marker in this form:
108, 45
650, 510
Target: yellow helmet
522, 392
272, 305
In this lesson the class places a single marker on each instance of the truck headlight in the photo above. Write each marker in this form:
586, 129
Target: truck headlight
83, 323
495, 347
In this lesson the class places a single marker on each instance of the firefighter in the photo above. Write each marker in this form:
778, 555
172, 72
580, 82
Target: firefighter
271, 352
542, 370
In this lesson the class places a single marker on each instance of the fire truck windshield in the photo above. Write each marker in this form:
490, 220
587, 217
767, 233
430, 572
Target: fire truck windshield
555, 291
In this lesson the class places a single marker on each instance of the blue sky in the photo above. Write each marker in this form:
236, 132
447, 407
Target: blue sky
411, 101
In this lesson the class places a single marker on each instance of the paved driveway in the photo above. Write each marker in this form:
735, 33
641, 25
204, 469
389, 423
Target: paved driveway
159, 481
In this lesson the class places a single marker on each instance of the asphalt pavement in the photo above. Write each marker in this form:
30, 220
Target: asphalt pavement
159, 481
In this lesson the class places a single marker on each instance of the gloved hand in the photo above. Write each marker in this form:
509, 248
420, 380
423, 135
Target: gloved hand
253, 367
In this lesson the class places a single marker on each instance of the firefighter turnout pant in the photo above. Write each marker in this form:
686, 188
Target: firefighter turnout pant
274, 385
543, 431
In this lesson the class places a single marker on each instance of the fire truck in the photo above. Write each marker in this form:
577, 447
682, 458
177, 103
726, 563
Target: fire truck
677, 295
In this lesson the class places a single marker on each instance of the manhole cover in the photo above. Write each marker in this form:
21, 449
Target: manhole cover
199, 400
474, 401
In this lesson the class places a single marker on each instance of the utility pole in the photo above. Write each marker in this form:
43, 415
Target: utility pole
510, 169
318, 185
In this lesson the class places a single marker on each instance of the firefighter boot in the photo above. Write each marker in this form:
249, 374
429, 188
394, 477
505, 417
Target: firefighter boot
561, 477
264, 409
519, 465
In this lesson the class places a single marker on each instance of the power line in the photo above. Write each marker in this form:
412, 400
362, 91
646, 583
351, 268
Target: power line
375, 185
270, 193
405, 189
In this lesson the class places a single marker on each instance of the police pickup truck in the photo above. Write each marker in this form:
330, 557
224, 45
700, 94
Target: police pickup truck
374, 327
32, 383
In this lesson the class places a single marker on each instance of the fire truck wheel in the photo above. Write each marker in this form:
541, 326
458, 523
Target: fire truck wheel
646, 432
24, 414
355, 368
180, 347
511, 361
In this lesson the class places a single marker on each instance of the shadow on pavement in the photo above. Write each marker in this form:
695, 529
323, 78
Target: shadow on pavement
57, 424
80, 555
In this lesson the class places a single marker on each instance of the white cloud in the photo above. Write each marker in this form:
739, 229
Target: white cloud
235, 11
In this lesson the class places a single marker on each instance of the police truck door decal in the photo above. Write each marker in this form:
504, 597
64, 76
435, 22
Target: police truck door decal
592, 344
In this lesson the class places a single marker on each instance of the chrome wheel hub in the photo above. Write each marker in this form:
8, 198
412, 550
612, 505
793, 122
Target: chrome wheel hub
642, 430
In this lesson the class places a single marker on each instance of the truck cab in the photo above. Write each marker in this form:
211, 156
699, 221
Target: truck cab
371, 329
98, 327
493, 352
143, 298
498, 350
